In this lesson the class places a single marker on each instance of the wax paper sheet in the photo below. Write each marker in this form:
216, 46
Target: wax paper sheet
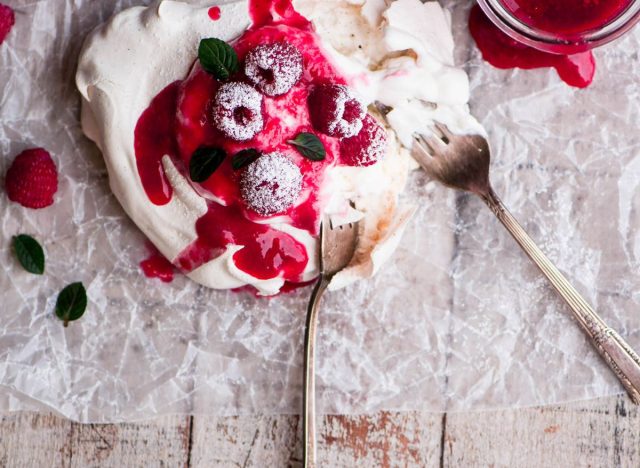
458, 320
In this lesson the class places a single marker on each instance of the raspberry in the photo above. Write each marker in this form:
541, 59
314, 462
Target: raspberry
367, 147
335, 111
7, 20
271, 184
32, 179
237, 111
274, 68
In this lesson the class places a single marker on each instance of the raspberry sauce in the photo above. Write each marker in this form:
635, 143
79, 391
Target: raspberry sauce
502, 51
153, 138
267, 253
266, 12
214, 13
566, 18
181, 119
156, 266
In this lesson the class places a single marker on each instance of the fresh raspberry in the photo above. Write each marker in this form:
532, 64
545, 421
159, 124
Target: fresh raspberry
274, 68
7, 20
335, 111
367, 147
237, 111
32, 179
271, 184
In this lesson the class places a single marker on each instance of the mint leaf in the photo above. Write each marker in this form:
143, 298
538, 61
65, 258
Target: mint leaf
204, 162
244, 158
218, 58
309, 146
30, 253
71, 303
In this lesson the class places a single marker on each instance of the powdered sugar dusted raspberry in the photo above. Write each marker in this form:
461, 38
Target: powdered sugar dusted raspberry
271, 184
274, 68
335, 111
238, 111
367, 147
7, 20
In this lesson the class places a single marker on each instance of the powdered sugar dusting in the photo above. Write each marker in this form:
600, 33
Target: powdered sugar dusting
271, 184
336, 111
274, 68
238, 111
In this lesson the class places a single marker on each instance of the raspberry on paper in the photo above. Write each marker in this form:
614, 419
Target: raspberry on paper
32, 179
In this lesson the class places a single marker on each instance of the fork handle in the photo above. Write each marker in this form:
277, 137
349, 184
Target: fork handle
615, 351
309, 395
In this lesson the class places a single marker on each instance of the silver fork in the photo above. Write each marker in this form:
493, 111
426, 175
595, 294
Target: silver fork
462, 162
337, 247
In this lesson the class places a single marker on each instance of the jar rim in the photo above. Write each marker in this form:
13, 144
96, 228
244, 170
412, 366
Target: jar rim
548, 42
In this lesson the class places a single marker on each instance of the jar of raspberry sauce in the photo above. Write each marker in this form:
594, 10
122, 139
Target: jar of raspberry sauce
563, 26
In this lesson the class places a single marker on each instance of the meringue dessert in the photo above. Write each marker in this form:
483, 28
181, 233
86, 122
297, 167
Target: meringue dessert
230, 130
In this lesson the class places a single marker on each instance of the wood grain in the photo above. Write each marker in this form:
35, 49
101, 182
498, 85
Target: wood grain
599, 433
381, 440
33, 440
164, 442
264, 441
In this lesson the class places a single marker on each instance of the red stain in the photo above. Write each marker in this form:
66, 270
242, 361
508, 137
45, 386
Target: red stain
502, 51
214, 13
552, 429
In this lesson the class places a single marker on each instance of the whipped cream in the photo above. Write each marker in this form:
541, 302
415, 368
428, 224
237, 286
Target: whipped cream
400, 55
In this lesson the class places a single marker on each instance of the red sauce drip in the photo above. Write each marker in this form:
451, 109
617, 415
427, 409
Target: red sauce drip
287, 287
154, 138
501, 51
157, 266
267, 252
214, 13
567, 18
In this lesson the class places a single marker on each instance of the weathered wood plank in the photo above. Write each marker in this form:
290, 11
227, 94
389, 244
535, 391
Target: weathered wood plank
603, 433
244, 441
598, 433
163, 442
380, 440
34, 439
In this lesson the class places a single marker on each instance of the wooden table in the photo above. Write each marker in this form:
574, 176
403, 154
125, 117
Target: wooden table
598, 433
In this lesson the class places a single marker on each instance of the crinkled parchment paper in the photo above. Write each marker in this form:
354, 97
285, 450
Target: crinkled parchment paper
458, 320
